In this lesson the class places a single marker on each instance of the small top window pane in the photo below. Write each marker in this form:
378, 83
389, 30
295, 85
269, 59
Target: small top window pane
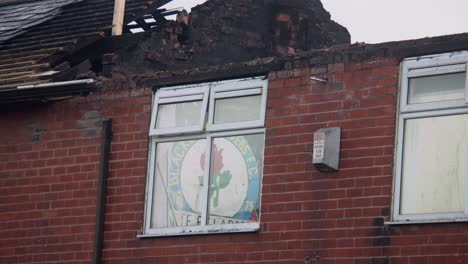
436, 88
238, 109
178, 115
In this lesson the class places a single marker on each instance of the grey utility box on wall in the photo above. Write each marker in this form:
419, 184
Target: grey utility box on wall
326, 152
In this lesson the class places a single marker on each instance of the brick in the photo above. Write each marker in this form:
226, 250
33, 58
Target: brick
48, 188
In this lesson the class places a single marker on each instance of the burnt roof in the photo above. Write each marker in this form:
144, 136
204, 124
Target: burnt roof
219, 32
350, 53
37, 54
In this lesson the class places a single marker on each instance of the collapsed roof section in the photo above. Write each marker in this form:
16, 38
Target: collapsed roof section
45, 41
73, 43
280, 25
219, 32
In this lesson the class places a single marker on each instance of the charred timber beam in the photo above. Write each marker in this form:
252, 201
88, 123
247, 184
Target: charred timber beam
46, 92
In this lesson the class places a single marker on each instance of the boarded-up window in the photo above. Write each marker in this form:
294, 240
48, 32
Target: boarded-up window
432, 162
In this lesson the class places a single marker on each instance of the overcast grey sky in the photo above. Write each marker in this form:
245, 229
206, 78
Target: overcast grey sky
375, 21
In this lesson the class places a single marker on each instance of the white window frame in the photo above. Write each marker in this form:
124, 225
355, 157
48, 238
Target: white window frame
179, 94
235, 89
418, 67
209, 135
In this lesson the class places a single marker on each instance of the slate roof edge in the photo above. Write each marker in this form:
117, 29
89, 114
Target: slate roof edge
336, 54
15, 28
396, 49
15, 2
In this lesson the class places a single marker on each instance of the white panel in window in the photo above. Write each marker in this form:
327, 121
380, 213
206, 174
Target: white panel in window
237, 109
436, 88
435, 157
178, 115
178, 184
235, 179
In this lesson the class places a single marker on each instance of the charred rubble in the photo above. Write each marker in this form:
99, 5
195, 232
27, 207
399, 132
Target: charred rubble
219, 32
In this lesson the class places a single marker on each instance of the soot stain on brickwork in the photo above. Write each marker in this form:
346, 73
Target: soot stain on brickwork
218, 32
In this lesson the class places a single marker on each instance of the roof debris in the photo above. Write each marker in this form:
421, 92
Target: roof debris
42, 41
219, 32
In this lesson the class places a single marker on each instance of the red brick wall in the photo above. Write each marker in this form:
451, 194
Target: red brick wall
49, 155
48, 170
49, 158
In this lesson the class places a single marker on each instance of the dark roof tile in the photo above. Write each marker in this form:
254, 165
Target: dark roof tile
15, 19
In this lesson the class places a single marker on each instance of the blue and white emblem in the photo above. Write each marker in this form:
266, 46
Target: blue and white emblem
234, 180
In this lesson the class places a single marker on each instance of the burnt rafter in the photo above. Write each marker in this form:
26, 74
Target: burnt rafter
52, 39
220, 32
154, 19
147, 9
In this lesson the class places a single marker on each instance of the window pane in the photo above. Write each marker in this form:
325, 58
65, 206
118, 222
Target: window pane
237, 109
435, 156
178, 182
179, 114
236, 172
436, 88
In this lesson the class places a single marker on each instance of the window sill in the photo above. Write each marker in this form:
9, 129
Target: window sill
421, 222
206, 230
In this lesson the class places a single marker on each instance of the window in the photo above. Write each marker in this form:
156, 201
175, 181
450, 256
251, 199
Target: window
431, 181
219, 126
